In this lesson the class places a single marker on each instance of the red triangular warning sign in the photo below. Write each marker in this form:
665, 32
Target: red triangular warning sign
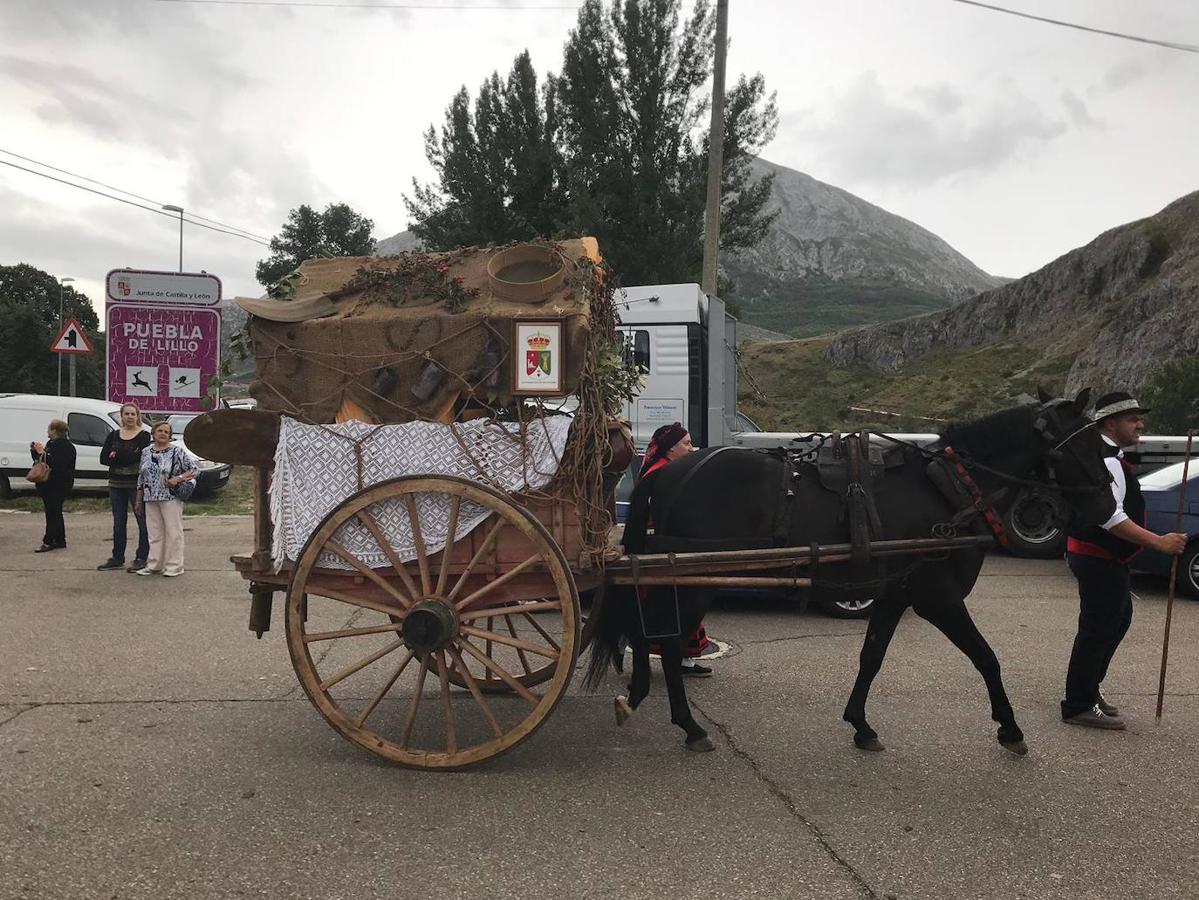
71, 339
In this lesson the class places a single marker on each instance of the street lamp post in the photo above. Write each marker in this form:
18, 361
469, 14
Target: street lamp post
61, 282
170, 207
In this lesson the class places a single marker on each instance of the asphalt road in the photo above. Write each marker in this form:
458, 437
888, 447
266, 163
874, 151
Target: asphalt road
150, 747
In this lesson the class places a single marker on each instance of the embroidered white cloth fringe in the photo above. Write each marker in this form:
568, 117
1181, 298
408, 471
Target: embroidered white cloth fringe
315, 472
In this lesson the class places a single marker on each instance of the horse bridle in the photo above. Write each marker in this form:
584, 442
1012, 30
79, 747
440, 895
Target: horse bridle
1046, 416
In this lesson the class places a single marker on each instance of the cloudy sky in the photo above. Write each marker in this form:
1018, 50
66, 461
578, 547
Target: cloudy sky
1013, 140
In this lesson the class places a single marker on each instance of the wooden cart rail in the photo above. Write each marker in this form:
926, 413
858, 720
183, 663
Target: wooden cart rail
703, 568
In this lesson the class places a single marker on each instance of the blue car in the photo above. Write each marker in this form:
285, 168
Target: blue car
1161, 489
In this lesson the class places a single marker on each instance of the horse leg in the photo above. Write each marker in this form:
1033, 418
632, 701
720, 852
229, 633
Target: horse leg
680, 709
953, 620
639, 683
879, 632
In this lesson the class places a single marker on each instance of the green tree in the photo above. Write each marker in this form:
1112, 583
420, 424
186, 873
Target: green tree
29, 309
615, 146
1172, 393
338, 231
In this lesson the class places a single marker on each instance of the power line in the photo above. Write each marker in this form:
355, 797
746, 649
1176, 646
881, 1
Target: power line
38, 162
160, 212
1172, 45
351, 4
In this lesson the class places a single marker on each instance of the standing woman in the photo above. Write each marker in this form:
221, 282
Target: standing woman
60, 456
122, 453
163, 468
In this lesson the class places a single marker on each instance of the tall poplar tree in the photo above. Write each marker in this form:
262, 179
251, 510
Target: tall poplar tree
614, 146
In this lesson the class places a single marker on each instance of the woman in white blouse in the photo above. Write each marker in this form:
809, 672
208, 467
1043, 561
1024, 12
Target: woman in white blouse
163, 468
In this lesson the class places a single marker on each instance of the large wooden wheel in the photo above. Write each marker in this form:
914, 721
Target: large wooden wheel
376, 639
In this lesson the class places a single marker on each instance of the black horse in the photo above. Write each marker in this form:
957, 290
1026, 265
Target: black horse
732, 502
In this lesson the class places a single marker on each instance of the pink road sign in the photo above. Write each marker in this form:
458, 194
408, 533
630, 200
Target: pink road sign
162, 357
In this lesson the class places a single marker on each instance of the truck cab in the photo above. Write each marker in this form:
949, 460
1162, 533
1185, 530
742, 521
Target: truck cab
685, 342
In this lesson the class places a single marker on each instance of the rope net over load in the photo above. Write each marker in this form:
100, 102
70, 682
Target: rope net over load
429, 337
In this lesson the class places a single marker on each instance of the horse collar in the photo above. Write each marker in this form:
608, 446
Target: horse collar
980, 503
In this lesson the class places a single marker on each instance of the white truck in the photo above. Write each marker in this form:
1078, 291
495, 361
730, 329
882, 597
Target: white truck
685, 341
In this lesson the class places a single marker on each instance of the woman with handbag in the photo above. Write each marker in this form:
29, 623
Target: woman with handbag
54, 474
122, 453
165, 479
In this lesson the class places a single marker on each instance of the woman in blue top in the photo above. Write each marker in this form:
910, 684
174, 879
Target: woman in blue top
163, 468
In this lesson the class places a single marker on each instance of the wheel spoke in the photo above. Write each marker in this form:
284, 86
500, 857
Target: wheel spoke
492, 585
422, 559
524, 660
451, 536
475, 692
385, 545
361, 720
545, 634
351, 632
368, 572
510, 642
503, 674
484, 549
361, 664
469, 615
420, 686
352, 599
488, 647
451, 731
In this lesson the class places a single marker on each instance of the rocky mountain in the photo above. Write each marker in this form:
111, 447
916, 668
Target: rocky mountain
1106, 314
831, 260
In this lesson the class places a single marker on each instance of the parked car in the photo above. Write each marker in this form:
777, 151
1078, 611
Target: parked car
1161, 490
24, 417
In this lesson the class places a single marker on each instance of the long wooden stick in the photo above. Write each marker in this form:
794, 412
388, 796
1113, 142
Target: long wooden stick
1182, 499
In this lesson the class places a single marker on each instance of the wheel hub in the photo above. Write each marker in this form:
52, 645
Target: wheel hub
429, 626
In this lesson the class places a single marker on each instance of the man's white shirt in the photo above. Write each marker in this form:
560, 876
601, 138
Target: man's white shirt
1119, 485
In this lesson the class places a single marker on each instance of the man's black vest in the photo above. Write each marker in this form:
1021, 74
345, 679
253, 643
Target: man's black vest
1094, 538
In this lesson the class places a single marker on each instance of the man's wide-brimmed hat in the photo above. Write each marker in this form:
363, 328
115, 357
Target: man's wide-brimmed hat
1115, 403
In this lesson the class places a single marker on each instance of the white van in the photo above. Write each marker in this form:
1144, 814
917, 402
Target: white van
24, 417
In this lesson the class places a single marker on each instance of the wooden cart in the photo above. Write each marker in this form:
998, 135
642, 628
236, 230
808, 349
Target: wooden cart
460, 654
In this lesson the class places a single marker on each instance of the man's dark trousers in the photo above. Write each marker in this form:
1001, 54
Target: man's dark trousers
1105, 612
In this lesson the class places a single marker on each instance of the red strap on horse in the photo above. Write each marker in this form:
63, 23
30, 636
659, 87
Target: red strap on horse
980, 502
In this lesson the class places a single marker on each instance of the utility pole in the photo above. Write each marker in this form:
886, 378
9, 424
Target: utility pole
715, 150
61, 282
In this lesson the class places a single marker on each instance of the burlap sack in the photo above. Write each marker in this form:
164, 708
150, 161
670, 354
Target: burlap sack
417, 360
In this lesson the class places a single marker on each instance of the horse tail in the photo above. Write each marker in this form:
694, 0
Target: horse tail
617, 619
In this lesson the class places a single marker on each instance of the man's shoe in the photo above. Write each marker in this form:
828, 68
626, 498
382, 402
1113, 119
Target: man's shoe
44, 548
110, 564
148, 571
1106, 708
1095, 718
697, 671
137, 564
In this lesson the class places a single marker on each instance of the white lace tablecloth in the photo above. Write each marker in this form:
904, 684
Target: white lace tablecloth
315, 471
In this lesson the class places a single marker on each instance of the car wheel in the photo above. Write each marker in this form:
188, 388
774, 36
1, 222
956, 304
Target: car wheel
847, 607
5, 487
1188, 570
1035, 525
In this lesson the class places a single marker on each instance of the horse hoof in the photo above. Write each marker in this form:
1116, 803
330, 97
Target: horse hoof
1018, 747
623, 710
701, 745
873, 744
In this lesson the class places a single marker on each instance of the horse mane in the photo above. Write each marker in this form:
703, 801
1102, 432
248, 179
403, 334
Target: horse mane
1001, 432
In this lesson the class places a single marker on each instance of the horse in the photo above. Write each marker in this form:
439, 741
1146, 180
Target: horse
732, 501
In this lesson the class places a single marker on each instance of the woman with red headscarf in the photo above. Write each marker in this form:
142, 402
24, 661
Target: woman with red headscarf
670, 442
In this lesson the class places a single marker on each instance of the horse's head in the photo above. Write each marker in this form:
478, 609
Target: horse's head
1073, 452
